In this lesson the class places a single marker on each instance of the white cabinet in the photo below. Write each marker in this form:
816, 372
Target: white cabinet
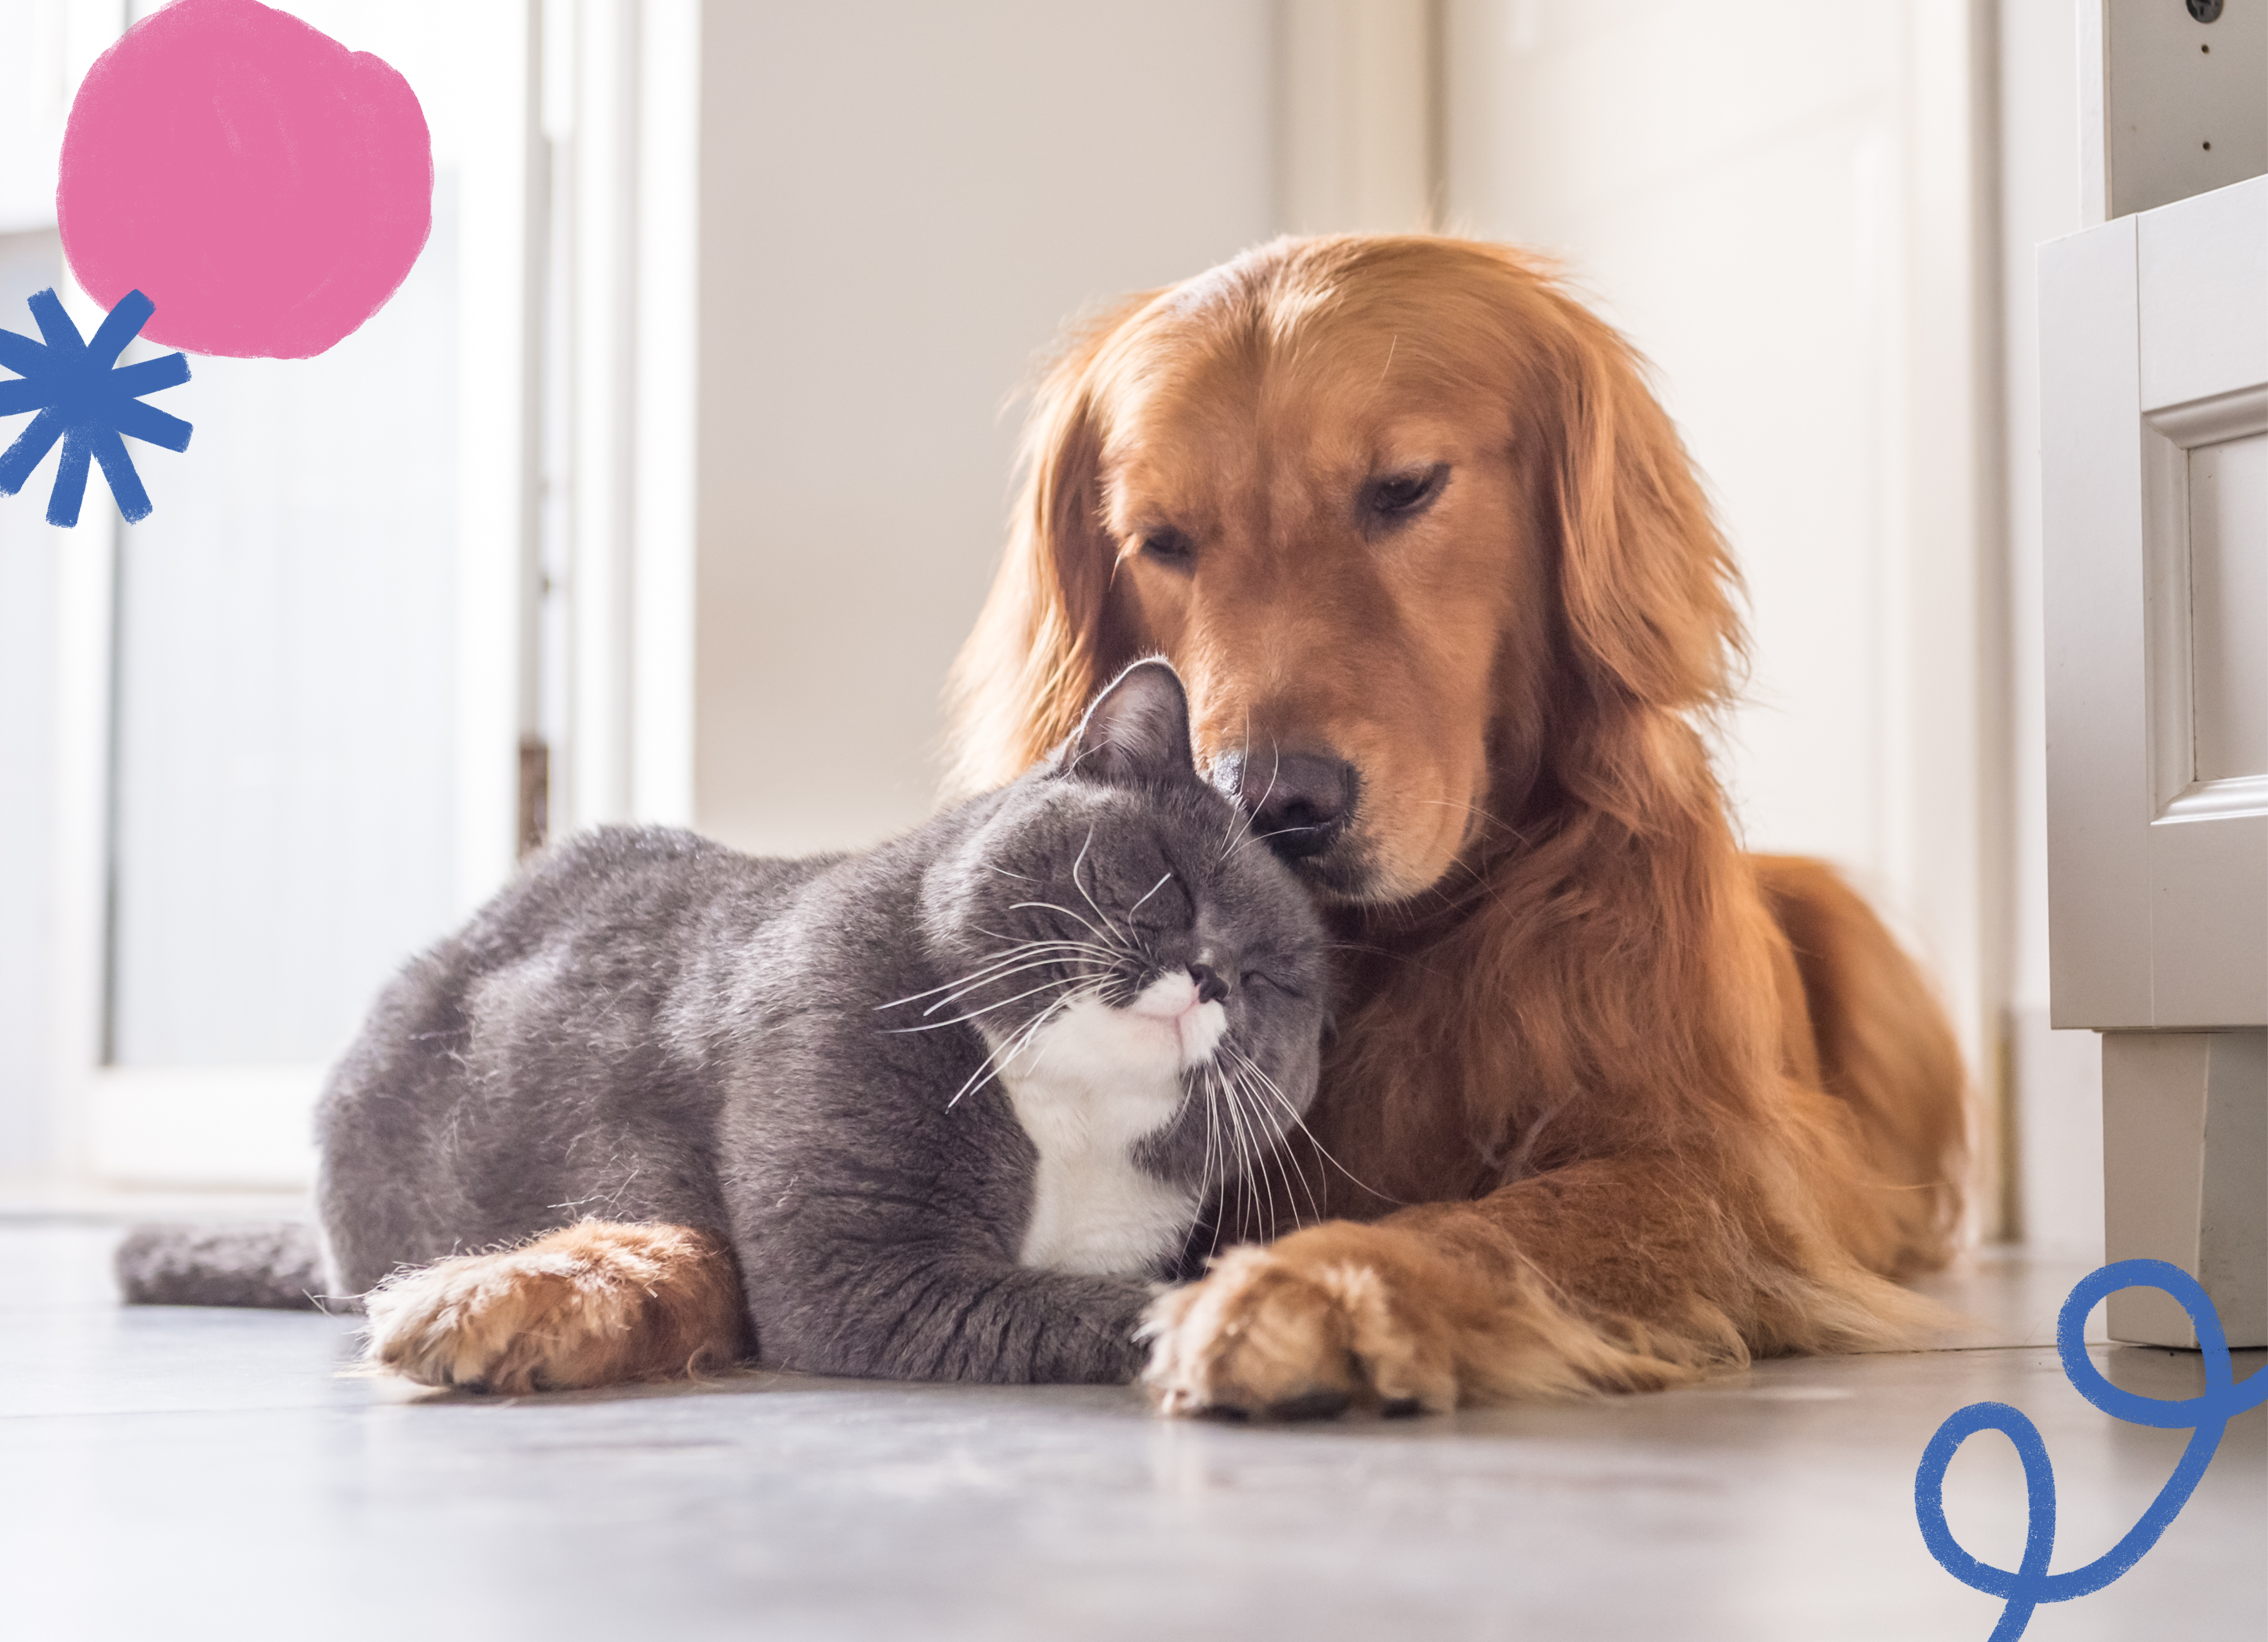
2154, 451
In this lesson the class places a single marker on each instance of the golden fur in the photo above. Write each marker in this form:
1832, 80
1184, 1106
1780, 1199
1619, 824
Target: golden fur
594, 1303
1664, 1105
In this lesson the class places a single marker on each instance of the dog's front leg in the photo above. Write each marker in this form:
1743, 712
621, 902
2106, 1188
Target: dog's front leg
1612, 1275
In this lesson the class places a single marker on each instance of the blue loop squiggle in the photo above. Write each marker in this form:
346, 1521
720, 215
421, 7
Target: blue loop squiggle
2205, 1415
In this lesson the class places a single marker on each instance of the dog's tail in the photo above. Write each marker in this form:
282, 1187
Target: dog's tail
277, 1265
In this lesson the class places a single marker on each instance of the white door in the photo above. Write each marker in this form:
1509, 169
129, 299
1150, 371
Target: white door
277, 724
2155, 449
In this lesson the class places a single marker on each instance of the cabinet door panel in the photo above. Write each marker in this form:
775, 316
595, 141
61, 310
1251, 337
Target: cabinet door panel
2155, 449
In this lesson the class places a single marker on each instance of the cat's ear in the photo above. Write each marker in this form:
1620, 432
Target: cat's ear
1138, 730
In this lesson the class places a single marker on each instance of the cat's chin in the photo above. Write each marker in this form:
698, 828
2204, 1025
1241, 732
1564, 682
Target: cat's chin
1089, 1087
1170, 1004
1145, 1044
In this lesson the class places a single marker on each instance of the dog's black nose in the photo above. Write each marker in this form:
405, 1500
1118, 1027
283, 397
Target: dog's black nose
1300, 803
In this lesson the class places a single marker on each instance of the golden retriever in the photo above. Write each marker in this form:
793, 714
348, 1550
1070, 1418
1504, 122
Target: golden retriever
1610, 1102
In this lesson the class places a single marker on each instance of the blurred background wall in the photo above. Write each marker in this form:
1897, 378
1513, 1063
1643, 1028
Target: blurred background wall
750, 289
900, 204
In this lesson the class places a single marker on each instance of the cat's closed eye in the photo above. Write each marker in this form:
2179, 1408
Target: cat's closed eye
1262, 978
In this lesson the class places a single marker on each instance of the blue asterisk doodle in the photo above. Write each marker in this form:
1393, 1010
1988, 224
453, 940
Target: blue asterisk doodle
2204, 1417
86, 404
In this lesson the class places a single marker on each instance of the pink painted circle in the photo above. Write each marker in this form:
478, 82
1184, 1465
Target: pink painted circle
264, 187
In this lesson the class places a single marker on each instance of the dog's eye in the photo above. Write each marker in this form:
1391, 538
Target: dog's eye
1398, 495
1169, 546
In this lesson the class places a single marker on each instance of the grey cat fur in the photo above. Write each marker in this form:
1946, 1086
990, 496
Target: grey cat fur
264, 1265
648, 1026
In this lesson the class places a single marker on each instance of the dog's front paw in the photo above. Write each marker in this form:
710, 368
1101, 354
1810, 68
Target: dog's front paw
592, 1304
1333, 1317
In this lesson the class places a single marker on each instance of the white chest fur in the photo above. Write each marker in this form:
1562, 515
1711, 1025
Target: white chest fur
1089, 1087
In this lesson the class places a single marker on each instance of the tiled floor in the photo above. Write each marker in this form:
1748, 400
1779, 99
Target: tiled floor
185, 1474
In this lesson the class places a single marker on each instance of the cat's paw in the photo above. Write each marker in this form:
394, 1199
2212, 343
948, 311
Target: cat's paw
591, 1304
1333, 1317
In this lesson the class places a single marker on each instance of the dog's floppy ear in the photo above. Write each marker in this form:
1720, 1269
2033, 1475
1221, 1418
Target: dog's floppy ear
1041, 646
1138, 730
1648, 584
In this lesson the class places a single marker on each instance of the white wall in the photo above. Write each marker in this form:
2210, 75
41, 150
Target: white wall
1772, 199
900, 202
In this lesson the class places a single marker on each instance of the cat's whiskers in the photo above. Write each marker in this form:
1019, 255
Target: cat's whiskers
997, 1062
1081, 886
1280, 1154
1110, 939
1017, 954
1232, 1137
1105, 949
1232, 1186
1294, 1165
1299, 1122
1231, 844
1235, 811
1051, 961
1146, 894
1030, 1038
931, 1026
1251, 1156
1253, 1172
1262, 838
991, 1066
1211, 1162
1275, 1149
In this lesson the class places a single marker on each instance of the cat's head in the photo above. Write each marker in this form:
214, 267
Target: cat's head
1115, 917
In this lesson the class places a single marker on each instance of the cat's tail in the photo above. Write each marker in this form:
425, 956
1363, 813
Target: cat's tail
275, 1266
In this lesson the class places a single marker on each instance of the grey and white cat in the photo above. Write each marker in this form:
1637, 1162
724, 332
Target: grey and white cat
955, 1103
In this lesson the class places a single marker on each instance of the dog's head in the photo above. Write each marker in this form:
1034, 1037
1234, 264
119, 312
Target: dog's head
1423, 548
